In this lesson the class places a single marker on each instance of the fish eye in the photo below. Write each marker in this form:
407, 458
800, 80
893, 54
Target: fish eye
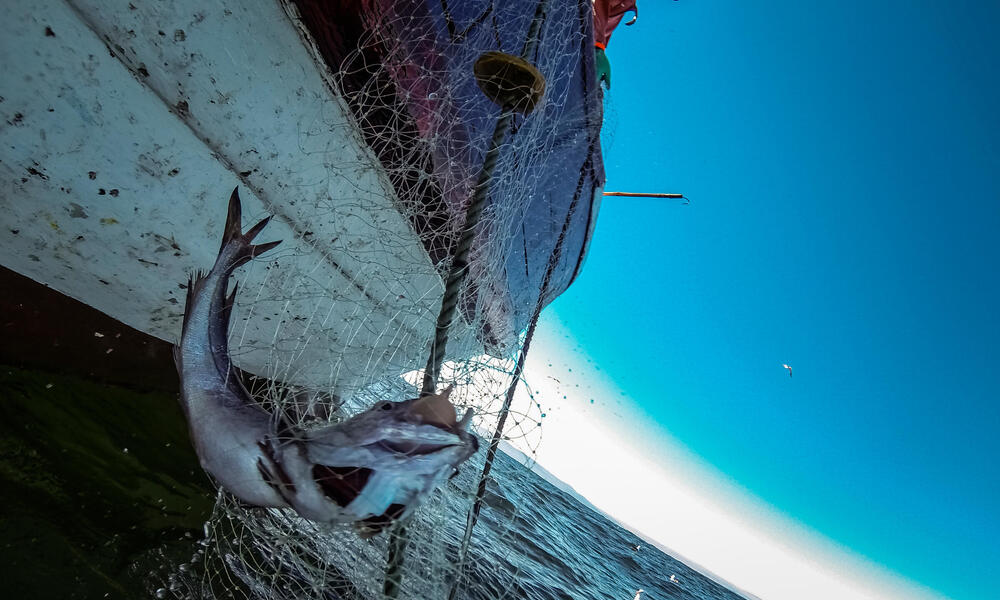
387, 406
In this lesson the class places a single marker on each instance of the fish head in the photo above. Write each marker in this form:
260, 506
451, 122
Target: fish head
383, 461
417, 427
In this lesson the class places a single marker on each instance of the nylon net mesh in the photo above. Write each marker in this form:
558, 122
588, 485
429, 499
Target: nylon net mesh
373, 290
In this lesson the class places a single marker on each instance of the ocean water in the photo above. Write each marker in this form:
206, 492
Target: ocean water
102, 496
533, 540
562, 549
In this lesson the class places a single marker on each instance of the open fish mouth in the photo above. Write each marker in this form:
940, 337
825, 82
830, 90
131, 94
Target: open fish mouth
411, 448
341, 484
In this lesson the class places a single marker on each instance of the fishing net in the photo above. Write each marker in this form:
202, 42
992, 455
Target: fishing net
373, 280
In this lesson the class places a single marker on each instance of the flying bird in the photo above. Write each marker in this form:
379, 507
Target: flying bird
789, 369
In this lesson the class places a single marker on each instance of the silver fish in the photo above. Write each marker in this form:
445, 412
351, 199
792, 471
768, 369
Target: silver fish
369, 470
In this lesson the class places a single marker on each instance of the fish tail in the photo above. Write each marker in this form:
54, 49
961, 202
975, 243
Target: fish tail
234, 237
236, 250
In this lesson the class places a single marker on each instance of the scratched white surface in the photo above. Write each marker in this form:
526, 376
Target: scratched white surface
121, 136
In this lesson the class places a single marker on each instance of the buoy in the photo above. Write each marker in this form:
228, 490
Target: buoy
509, 81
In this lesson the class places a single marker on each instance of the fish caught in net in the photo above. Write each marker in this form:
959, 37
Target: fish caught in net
345, 315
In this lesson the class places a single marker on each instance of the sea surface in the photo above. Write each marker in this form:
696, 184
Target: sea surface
103, 498
562, 548
102, 493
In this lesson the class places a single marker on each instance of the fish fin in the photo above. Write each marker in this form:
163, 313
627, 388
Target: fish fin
234, 219
373, 526
284, 430
435, 409
193, 281
253, 231
232, 234
366, 532
271, 480
273, 472
466, 419
258, 249
227, 308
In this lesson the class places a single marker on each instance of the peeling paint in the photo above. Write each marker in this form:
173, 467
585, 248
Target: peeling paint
76, 211
125, 121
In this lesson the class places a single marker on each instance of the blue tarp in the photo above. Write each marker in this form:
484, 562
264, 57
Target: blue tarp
550, 166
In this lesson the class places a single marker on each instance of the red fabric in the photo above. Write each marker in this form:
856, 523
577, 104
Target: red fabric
607, 15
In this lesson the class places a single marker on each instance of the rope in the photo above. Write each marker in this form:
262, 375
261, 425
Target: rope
459, 266
449, 302
550, 268
491, 453
453, 286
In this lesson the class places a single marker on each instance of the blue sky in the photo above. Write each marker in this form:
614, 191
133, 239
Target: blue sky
844, 168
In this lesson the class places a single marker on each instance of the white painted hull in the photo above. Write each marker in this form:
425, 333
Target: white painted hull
124, 131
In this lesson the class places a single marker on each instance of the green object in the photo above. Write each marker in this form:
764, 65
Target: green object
603, 67
101, 494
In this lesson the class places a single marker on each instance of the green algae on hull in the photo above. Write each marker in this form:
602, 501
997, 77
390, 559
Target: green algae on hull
95, 481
